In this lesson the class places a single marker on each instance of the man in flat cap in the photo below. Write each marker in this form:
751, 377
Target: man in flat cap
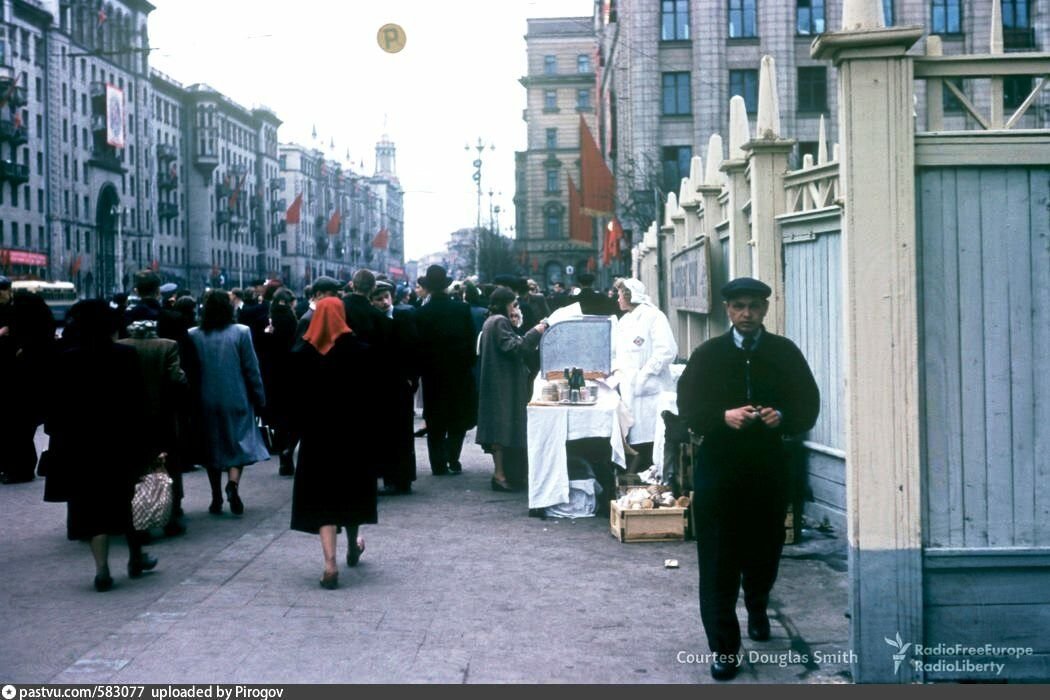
743, 392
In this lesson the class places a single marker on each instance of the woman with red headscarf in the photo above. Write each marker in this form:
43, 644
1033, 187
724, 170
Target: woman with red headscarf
335, 482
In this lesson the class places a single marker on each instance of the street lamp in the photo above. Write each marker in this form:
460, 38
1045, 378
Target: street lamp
480, 147
117, 211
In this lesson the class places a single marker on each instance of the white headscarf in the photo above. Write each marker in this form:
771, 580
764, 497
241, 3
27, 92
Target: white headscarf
637, 290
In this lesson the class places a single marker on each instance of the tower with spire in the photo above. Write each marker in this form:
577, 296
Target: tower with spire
386, 158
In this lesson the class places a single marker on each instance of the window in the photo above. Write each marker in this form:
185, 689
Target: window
949, 102
583, 99
887, 12
550, 100
745, 83
809, 17
1016, 89
675, 93
674, 20
552, 138
552, 180
552, 223
946, 17
675, 166
583, 63
1017, 25
550, 65
742, 19
813, 89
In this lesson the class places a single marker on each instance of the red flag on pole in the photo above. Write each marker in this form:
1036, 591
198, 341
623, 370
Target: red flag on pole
333, 223
237, 192
382, 239
292, 215
74, 267
611, 247
579, 223
596, 180
101, 17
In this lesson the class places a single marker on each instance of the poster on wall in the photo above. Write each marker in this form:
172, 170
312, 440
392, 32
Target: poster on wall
114, 116
690, 285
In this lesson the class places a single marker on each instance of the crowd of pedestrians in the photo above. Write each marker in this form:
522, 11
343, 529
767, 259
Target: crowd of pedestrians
234, 377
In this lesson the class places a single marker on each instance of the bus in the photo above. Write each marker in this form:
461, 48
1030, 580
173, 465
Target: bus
58, 295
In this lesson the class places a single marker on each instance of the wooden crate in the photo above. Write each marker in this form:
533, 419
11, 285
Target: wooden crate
653, 525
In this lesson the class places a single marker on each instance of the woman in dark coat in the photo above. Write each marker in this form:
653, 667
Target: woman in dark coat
335, 482
230, 394
96, 452
275, 351
504, 389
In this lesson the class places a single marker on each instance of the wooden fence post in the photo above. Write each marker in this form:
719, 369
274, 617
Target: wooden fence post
880, 287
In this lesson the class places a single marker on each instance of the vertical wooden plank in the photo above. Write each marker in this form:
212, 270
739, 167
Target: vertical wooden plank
971, 338
953, 374
835, 359
827, 340
1039, 256
932, 235
1022, 400
997, 223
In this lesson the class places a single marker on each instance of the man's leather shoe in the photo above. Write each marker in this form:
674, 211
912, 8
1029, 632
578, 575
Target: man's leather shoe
143, 562
724, 670
758, 627
455, 468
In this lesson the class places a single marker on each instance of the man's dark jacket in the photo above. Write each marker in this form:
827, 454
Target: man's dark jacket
447, 352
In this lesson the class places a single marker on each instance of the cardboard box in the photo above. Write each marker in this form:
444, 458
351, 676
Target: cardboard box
652, 525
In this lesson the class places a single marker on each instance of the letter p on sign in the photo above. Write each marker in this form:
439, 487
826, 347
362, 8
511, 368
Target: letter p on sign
391, 38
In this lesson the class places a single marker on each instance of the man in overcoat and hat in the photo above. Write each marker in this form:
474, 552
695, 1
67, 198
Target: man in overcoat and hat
742, 392
447, 353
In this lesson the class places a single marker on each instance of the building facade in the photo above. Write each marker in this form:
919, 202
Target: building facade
560, 88
670, 68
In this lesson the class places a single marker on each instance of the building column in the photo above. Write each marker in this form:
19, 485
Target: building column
880, 288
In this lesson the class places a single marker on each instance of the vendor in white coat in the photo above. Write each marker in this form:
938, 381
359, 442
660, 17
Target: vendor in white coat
643, 350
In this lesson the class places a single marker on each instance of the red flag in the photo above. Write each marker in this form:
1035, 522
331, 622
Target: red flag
535, 265
237, 192
382, 239
579, 223
18, 120
333, 223
10, 90
101, 17
591, 264
596, 180
155, 265
74, 267
292, 215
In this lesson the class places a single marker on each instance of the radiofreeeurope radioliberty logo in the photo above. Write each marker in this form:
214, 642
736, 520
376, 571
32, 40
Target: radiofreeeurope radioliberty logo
958, 660
902, 651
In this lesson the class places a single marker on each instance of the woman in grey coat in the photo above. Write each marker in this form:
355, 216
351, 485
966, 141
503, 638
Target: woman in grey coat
230, 393
504, 387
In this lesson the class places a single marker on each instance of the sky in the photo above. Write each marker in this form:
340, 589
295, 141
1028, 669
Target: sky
317, 63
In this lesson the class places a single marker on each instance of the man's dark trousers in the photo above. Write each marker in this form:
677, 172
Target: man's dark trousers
740, 512
444, 445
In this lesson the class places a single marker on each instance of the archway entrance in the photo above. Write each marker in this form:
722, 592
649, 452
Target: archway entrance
107, 279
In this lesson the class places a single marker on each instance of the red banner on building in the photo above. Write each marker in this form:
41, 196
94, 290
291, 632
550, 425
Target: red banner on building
292, 215
579, 223
22, 257
596, 180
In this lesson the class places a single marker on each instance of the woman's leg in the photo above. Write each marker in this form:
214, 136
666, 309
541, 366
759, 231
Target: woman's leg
100, 551
232, 494
497, 461
215, 481
328, 547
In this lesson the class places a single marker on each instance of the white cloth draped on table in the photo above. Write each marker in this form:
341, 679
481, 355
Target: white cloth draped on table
551, 426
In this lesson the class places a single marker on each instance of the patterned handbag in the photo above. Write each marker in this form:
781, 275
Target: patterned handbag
152, 502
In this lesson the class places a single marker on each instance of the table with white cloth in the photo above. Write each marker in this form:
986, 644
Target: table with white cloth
550, 426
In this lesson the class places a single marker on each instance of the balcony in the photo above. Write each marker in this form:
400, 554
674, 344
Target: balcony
17, 173
167, 210
97, 90
98, 123
166, 152
280, 227
18, 97
17, 135
167, 181
222, 191
105, 157
276, 183
236, 170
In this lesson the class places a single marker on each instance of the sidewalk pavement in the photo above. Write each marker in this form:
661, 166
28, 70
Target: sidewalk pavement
457, 585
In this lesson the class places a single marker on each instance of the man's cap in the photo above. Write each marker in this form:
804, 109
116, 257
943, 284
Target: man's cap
745, 285
5, 282
326, 285
585, 279
382, 287
169, 288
